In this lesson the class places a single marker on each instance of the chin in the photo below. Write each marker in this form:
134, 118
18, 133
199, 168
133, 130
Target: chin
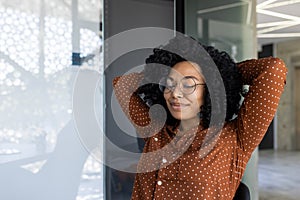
176, 116
179, 116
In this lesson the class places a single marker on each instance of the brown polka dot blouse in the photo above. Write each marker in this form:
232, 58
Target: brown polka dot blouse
190, 165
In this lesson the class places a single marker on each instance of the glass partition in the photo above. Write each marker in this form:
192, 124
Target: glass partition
229, 26
44, 47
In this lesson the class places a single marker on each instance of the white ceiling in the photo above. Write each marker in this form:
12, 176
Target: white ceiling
277, 20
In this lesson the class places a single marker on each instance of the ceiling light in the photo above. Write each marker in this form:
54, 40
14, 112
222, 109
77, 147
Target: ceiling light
278, 35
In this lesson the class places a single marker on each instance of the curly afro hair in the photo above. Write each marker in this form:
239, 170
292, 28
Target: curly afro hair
164, 55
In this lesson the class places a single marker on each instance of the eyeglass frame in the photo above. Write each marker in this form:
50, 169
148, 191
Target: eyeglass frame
180, 85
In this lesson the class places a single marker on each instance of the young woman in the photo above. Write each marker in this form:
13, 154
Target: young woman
188, 154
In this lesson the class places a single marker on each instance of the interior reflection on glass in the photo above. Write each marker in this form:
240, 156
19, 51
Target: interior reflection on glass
41, 156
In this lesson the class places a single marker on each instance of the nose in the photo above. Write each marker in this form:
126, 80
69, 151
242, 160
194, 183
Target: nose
176, 92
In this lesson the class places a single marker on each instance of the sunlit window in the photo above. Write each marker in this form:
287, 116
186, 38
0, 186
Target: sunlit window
36, 77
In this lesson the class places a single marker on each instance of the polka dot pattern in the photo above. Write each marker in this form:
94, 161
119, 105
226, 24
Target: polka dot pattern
217, 174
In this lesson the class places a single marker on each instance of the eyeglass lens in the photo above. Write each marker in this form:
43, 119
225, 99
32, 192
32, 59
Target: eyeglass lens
187, 85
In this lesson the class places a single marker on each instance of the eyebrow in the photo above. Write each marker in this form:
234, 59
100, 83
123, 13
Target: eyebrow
184, 77
192, 77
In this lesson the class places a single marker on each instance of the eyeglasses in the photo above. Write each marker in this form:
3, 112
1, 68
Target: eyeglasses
187, 85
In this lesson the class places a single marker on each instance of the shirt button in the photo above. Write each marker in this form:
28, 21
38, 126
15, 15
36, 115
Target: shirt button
164, 160
156, 139
159, 183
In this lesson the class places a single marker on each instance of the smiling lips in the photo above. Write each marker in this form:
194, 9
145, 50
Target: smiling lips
177, 106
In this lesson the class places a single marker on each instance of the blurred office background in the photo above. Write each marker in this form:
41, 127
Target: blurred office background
57, 122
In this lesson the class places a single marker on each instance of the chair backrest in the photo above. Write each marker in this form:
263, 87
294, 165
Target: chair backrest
242, 193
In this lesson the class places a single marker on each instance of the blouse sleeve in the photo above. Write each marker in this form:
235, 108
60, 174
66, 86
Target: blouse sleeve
266, 78
136, 110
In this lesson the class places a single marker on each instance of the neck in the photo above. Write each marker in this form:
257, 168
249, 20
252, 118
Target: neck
186, 125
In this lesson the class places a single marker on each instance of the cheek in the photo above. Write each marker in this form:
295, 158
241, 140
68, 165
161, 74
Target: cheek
166, 96
200, 98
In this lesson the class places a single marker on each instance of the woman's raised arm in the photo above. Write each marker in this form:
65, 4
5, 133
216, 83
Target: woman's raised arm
266, 78
133, 106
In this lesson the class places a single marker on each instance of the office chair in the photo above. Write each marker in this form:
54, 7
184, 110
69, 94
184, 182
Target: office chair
242, 193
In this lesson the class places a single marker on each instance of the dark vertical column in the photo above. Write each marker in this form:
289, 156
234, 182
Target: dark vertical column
120, 16
205, 31
179, 16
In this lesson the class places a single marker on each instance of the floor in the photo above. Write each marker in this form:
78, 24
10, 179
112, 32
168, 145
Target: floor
279, 175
